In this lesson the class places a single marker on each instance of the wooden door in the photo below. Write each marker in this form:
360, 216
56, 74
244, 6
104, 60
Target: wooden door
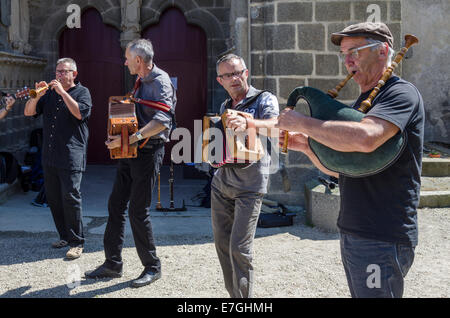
180, 50
96, 49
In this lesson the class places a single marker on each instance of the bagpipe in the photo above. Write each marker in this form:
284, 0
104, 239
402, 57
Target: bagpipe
324, 107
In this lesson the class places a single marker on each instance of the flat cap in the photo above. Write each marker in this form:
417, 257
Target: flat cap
377, 31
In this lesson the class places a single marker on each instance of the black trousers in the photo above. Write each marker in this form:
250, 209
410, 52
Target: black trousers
62, 188
135, 179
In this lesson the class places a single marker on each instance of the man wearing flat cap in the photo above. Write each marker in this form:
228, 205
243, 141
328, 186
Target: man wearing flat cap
378, 213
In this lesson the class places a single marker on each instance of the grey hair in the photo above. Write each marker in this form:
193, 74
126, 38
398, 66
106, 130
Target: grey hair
142, 48
391, 51
229, 57
68, 60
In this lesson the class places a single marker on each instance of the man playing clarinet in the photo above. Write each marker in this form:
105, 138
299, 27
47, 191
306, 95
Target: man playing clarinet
65, 108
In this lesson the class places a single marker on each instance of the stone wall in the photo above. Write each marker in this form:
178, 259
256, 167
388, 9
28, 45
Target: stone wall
17, 71
290, 47
429, 68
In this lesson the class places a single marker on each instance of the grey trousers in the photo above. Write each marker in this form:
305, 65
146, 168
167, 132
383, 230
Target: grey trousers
234, 216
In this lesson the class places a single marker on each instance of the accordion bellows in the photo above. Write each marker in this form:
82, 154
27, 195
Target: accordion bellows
122, 121
223, 147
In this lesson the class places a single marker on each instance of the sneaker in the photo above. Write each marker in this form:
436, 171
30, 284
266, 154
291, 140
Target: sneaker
74, 252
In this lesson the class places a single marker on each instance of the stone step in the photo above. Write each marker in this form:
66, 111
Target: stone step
434, 199
435, 192
435, 167
435, 184
322, 204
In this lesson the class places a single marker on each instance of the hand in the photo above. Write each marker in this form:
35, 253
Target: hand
288, 120
57, 86
236, 122
297, 141
113, 142
9, 102
40, 85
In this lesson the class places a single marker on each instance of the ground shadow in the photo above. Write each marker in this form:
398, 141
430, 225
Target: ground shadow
63, 291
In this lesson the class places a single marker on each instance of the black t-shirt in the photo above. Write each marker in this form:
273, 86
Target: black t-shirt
65, 138
383, 206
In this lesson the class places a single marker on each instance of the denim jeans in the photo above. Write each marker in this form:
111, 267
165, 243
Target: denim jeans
375, 269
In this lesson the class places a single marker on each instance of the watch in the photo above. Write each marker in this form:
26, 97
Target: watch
139, 135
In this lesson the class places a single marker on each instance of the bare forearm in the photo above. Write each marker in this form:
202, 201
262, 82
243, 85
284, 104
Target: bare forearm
30, 107
3, 113
266, 127
339, 135
72, 105
149, 130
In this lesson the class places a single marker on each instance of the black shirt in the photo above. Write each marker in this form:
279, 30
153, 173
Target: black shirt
65, 138
383, 206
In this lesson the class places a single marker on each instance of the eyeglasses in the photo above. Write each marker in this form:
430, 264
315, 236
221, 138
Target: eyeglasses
354, 53
63, 72
228, 76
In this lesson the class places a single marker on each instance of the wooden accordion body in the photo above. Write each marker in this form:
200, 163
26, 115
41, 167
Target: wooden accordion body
223, 147
122, 121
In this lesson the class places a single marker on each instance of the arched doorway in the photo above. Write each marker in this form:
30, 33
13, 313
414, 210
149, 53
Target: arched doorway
180, 50
96, 49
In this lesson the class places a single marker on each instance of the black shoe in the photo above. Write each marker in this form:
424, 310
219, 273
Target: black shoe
146, 278
103, 272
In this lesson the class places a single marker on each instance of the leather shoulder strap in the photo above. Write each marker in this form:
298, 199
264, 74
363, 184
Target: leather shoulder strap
247, 103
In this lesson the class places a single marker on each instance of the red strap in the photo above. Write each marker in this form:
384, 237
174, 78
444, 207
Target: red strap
152, 104
137, 84
149, 103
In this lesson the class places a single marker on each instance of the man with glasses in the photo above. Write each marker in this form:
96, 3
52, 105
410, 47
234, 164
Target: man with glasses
378, 213
236, 194
66, 108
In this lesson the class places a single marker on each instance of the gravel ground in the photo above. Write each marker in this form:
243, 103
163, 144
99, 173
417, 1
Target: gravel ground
296, 261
